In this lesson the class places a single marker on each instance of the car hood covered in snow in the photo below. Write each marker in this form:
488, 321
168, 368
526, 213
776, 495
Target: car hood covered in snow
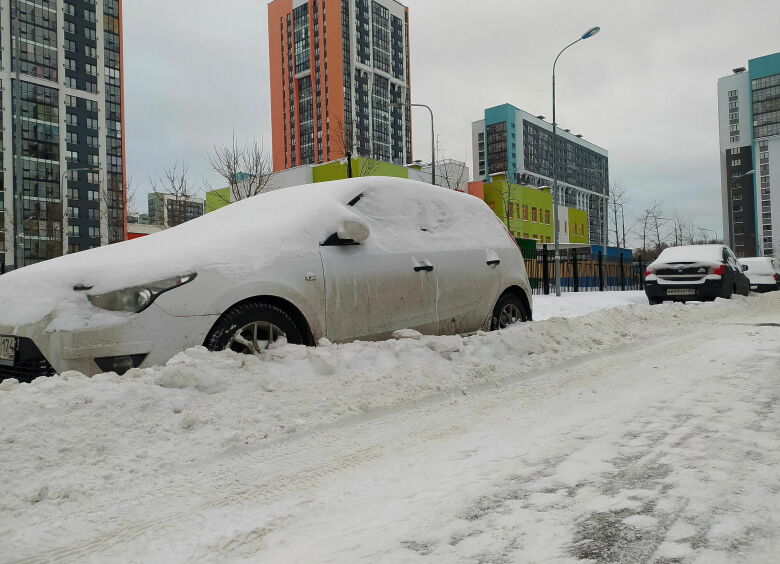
237, 240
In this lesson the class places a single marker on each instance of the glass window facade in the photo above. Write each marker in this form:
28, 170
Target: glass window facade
61, 124
577, 165
766, 106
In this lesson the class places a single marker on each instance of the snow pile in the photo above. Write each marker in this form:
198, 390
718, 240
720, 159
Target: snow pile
81, 435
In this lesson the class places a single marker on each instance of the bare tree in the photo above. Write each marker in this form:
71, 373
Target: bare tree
450, 174
343, 137
681, 229
648, 221
172, 192
618, 198
50, 218
509, 203
346, 142
114, 203
246, 168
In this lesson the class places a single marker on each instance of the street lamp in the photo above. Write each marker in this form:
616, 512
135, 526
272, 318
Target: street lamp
433, 138
588, 34
704, 236
63, 198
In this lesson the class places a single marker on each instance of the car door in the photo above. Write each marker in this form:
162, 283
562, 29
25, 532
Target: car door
468, 268
740, 281
383, 284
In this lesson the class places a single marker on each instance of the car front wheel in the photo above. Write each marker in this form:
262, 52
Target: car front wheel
509, 309
251, 327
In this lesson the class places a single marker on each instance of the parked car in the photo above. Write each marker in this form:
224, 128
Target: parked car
763, 273
344, 260
695, 272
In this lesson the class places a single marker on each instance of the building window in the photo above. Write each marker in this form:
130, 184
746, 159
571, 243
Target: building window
525, 213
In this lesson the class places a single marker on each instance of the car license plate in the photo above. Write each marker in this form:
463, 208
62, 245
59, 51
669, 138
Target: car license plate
680, 292
7, 350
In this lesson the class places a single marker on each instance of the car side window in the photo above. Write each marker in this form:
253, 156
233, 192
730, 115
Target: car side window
731, 259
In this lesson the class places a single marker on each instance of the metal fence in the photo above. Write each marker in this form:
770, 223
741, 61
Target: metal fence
582, 271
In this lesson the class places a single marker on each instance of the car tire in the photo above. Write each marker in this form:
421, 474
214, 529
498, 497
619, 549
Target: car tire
655, 301
509, 309
256, 319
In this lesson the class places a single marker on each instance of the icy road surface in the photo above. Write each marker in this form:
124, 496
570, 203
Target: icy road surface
632, 434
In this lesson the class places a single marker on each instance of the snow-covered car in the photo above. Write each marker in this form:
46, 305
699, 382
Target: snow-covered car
763, 273
695, 273
344, 260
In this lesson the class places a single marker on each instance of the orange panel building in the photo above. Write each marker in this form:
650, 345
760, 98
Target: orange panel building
339, 81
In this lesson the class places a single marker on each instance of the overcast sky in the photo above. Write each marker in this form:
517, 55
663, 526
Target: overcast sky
644, 88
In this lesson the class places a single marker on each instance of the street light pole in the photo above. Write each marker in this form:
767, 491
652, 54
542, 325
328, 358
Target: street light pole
590, 33
433, 137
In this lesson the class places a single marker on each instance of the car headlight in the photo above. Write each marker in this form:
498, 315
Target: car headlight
137, 298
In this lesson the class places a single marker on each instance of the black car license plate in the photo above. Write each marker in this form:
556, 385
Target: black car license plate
7, 350
680, 292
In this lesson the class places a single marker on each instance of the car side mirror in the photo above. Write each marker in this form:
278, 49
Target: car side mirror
744, 267
351, 232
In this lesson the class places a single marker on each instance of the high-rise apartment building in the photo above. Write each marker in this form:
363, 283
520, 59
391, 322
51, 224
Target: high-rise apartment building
169, 210
749, 120
337, 69
61, 105
511, 142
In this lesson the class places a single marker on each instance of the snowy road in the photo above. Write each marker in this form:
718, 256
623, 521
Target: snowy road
624, 435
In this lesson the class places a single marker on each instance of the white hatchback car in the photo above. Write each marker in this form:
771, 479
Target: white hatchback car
763, 273
344, 260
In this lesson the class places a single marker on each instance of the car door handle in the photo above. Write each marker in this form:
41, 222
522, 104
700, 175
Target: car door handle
426, 267
493, 262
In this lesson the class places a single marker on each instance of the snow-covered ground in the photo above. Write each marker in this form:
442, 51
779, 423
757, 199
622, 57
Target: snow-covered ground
632, 433
574, 304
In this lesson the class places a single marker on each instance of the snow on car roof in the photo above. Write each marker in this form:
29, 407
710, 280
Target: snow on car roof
692, 253
240, 240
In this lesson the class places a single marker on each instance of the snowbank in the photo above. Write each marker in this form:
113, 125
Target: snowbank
70, 437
